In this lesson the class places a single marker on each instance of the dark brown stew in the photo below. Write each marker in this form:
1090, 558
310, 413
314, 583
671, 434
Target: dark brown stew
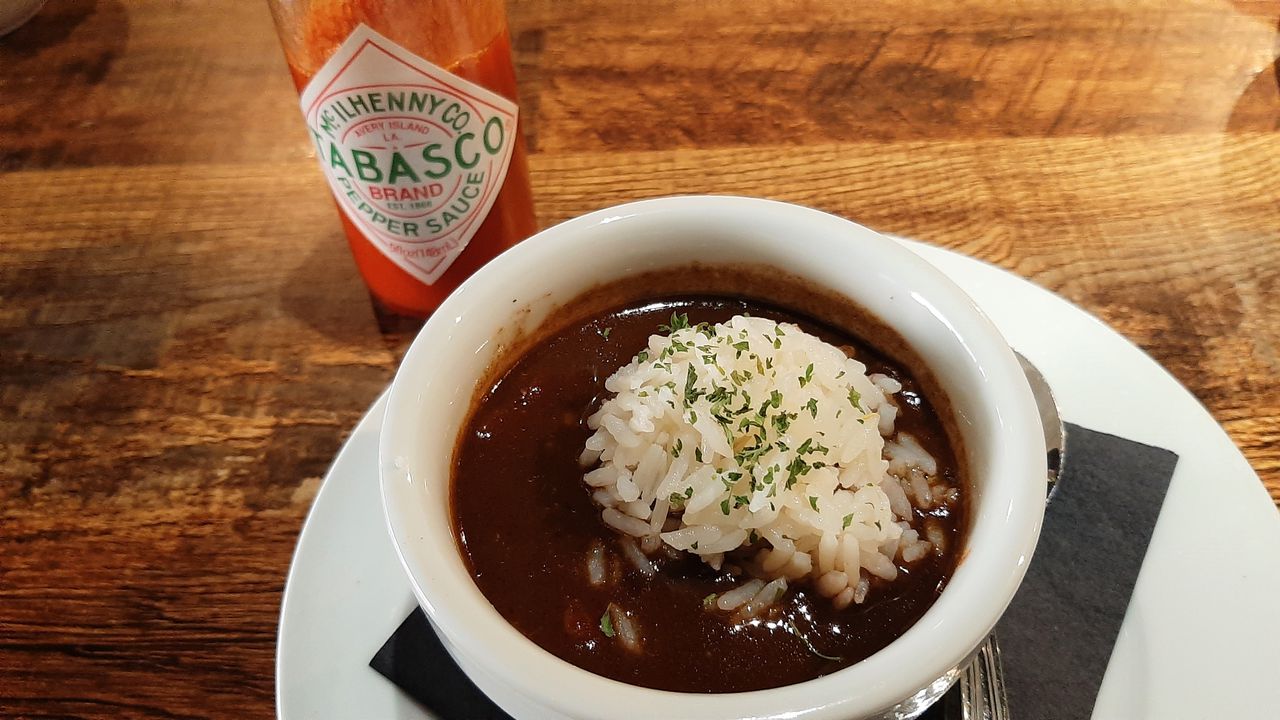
525, 522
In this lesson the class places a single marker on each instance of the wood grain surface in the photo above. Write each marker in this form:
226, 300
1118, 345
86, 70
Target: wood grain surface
184, 340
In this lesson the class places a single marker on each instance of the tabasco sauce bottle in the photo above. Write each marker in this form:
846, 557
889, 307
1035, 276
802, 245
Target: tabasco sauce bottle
412, 108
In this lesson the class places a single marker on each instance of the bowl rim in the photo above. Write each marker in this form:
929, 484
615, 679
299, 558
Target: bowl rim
466, 620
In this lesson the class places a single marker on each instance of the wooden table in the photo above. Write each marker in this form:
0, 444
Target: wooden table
184, 341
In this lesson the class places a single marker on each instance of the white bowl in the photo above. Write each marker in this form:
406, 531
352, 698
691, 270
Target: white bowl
995, 413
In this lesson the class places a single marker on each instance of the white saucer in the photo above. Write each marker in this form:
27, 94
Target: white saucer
1200, 638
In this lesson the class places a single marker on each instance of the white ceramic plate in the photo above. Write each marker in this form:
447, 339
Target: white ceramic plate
1199, 640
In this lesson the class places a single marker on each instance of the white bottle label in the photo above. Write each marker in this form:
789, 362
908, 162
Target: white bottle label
415, 155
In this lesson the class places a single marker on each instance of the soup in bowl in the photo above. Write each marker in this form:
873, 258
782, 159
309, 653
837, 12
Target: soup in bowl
711, 457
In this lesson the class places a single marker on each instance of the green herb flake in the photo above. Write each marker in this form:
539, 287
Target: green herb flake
605, 333
797, 468
813, 503
709, 601
606, 624
724, 506
679, 321
691, 392
812, 407
848, 520
855, 398
642, 356
808, 376
677, 448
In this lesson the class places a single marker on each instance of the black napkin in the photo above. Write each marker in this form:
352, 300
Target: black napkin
1073, 599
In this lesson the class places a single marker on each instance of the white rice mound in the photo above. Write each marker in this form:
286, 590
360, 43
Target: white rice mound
757, 440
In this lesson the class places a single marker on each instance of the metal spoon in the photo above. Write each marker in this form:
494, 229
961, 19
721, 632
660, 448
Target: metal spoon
982, 691
1055, 433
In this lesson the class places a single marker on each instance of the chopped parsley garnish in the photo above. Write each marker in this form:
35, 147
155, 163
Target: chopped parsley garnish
848, 520
679, 321
677, 448
813, 503
855, 398
724, 506
605, 333
709, 601
812, 407
691, 392
808, 376
768, 475
606, 624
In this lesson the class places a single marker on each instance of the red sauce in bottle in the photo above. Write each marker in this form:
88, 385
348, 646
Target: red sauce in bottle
451, 34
